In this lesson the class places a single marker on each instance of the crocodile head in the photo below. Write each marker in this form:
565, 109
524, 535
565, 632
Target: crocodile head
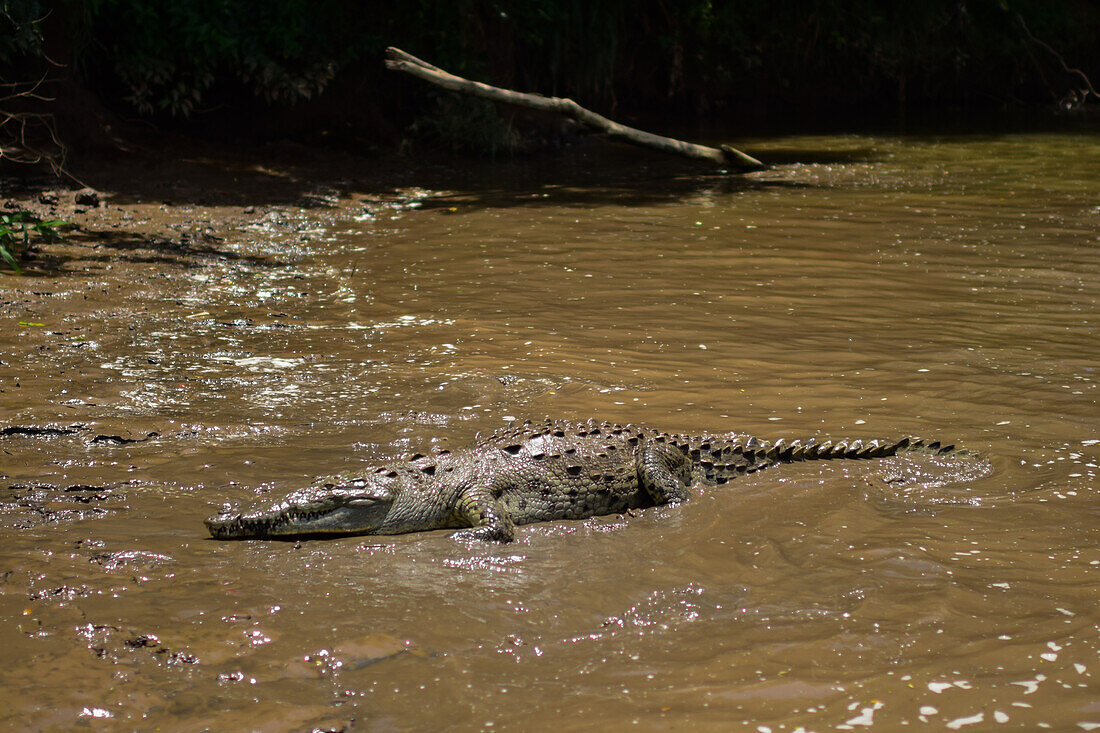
356, 507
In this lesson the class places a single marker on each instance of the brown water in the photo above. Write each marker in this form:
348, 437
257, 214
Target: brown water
945, 287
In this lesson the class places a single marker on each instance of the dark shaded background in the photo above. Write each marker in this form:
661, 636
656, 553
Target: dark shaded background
312, 69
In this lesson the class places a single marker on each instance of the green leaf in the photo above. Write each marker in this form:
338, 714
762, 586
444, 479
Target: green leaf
6, 255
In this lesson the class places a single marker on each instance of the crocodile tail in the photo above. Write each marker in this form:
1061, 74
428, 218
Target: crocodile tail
812, 450
720, 460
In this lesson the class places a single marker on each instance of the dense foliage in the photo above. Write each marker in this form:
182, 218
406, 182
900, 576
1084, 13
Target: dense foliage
175, 60
168, 55
20, 34
690, 54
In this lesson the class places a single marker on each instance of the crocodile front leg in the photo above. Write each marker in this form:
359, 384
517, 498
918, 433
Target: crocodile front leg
664, 472
486, 516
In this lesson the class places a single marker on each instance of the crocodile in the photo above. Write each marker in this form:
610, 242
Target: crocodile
533, 472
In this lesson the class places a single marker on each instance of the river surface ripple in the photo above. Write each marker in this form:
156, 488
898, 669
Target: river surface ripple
938, 286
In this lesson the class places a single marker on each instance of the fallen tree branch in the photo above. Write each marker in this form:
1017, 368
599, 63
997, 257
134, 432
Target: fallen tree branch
398, 60
1076, 97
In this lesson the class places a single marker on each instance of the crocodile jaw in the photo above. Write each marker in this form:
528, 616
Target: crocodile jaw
308, 514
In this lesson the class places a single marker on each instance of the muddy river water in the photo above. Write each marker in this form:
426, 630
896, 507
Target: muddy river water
866, 286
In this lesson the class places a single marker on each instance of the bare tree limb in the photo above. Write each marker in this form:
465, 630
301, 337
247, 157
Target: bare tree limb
1065, 67
19, 142
398, 60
